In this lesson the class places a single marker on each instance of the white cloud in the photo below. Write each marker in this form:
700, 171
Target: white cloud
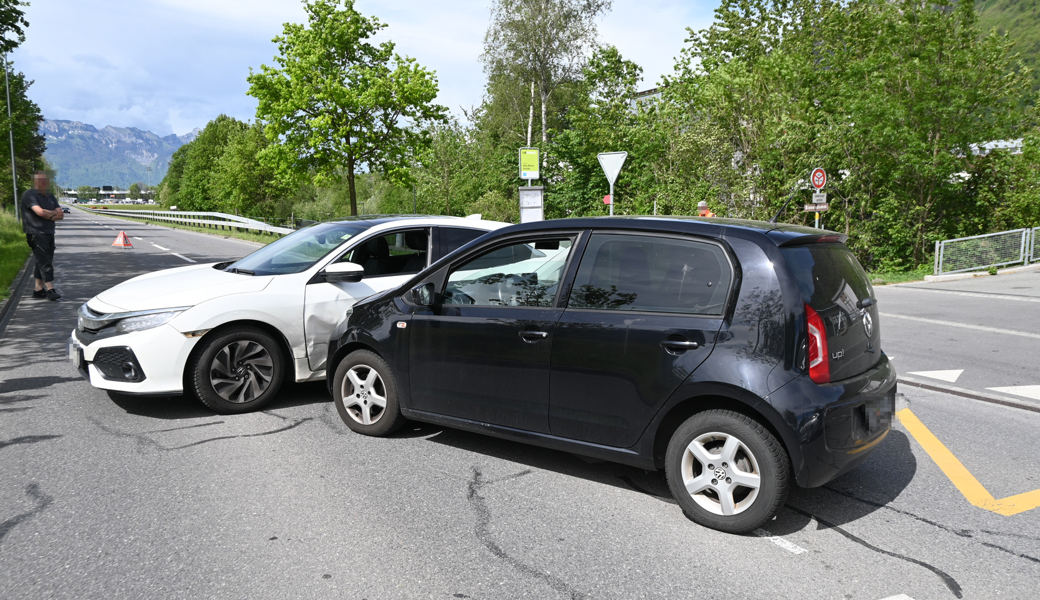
173, 65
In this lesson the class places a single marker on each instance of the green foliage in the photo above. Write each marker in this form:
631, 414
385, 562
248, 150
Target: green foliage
338, 103
29, 145
86, 192
13, 251
134, 192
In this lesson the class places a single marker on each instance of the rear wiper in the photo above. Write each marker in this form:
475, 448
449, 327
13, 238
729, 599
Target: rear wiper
241, 271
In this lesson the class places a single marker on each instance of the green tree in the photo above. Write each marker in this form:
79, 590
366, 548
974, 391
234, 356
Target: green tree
29, 145
134, 192
544, 42
339, 103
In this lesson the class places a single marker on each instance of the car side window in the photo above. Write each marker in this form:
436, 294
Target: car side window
396, 253
520, 274
453, 238
652, 274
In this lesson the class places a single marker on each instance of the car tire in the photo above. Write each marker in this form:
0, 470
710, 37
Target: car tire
365, 393
237, 370
726, 471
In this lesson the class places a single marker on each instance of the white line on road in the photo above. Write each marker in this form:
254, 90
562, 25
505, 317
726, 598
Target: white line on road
137, 238
1026, 391
1014, 297
962, 325
184, 257
779, 541
898, 597
161, 248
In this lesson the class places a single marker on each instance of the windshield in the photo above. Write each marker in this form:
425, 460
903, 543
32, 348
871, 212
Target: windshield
299, 250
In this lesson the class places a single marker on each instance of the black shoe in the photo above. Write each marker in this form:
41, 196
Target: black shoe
52, 294
39, 293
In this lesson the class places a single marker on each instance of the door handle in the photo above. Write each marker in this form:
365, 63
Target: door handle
679, 346
533, 336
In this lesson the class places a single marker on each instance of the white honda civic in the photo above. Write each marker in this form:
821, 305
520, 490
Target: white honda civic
229, 332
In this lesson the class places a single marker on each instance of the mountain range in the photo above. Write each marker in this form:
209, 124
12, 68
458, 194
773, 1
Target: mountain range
116, 156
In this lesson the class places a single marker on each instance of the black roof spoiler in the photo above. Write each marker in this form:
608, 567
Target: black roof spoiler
823, 237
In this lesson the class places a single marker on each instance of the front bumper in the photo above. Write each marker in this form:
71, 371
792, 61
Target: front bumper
141, 362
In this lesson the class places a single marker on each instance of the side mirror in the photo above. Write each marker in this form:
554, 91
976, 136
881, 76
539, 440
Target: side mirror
423, 294
344, 272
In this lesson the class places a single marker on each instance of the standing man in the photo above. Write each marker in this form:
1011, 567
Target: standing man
40, 209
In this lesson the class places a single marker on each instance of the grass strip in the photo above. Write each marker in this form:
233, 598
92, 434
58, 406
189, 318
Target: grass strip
13, 251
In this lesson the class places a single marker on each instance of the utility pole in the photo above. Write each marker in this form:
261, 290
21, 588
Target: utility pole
10, 132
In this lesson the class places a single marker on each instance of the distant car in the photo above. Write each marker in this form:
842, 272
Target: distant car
230, 332
65, 209
739, 356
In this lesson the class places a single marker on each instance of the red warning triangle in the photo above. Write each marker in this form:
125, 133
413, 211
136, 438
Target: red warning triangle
122, 241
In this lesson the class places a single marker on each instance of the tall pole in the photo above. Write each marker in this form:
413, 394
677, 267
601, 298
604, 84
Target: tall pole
611, 198
10, 132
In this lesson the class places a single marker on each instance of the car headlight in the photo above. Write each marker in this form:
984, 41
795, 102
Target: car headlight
148, 321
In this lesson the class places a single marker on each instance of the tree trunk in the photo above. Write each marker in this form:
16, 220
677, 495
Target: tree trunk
530, 116
350, 185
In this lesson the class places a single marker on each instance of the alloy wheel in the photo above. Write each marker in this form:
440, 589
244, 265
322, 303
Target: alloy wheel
364, 394
721, 474
241, 371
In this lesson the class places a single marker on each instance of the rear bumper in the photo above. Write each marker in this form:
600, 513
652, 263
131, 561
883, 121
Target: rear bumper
843, 424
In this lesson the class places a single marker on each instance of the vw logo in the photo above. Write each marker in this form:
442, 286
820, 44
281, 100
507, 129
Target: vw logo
868, 324
720, 473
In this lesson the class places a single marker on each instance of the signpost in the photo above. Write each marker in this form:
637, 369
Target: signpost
818, 178
531, 197
612, 163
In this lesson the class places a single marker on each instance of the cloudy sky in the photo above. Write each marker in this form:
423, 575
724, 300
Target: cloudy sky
169, 66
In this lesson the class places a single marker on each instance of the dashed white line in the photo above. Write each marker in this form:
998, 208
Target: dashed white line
779, 541
961, 325
184, 257
137, 238
898, 597
161, 248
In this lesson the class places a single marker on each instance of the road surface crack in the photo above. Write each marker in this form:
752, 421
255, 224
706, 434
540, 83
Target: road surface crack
483, 532
42, 501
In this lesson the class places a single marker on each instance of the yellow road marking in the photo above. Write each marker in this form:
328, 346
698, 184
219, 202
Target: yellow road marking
961, 476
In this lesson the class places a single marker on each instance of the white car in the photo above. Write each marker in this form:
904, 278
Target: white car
229, 332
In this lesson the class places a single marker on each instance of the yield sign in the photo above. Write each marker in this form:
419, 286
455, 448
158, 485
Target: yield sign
612, 163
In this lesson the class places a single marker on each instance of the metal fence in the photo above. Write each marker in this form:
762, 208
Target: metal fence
196, 219
1019, 246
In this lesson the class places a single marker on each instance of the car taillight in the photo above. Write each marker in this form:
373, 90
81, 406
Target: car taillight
819, 363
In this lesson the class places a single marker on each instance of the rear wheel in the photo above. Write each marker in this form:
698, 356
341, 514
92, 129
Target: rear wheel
727, 471
365, 392
238, 370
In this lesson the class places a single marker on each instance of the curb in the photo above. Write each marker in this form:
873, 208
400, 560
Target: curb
17, 287
973, 394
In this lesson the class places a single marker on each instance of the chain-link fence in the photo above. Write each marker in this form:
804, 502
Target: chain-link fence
1034, 246
984, 251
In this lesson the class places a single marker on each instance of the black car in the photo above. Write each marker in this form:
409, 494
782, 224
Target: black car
739, 356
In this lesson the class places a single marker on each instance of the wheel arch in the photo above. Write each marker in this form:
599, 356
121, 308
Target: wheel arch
753, 407
274, 332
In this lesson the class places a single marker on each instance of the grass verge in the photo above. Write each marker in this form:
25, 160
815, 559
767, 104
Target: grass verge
13, 251
888, 278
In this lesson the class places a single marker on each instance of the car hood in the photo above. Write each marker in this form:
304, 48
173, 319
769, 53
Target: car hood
183, 286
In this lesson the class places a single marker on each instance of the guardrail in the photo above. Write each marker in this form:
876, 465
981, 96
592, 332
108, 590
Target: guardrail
197, 219
977, 252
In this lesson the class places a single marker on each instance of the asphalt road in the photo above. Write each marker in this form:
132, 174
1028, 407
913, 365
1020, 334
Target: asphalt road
114, 497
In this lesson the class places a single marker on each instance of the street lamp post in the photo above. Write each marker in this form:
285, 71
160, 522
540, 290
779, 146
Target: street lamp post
10, 132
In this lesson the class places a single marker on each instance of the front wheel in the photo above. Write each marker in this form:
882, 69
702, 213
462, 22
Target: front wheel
365, 392
727, 471
237, 370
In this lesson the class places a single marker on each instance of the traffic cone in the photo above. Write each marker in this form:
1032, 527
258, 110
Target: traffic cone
122, 241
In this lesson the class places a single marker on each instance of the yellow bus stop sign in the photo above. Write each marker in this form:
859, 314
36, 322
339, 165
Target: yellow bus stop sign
529, 163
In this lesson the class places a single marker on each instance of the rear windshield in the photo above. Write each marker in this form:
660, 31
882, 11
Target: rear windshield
828, 274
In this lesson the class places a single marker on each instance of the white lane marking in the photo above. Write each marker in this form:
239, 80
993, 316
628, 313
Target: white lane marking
898, 597
137, 238
779, 541
161, 248
950, 376
962, 325
1026, 391
1013, 297
184, 257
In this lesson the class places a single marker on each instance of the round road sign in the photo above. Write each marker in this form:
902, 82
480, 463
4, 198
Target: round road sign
819, 178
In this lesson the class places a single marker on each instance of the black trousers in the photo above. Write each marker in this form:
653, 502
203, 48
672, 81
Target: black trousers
42, 245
